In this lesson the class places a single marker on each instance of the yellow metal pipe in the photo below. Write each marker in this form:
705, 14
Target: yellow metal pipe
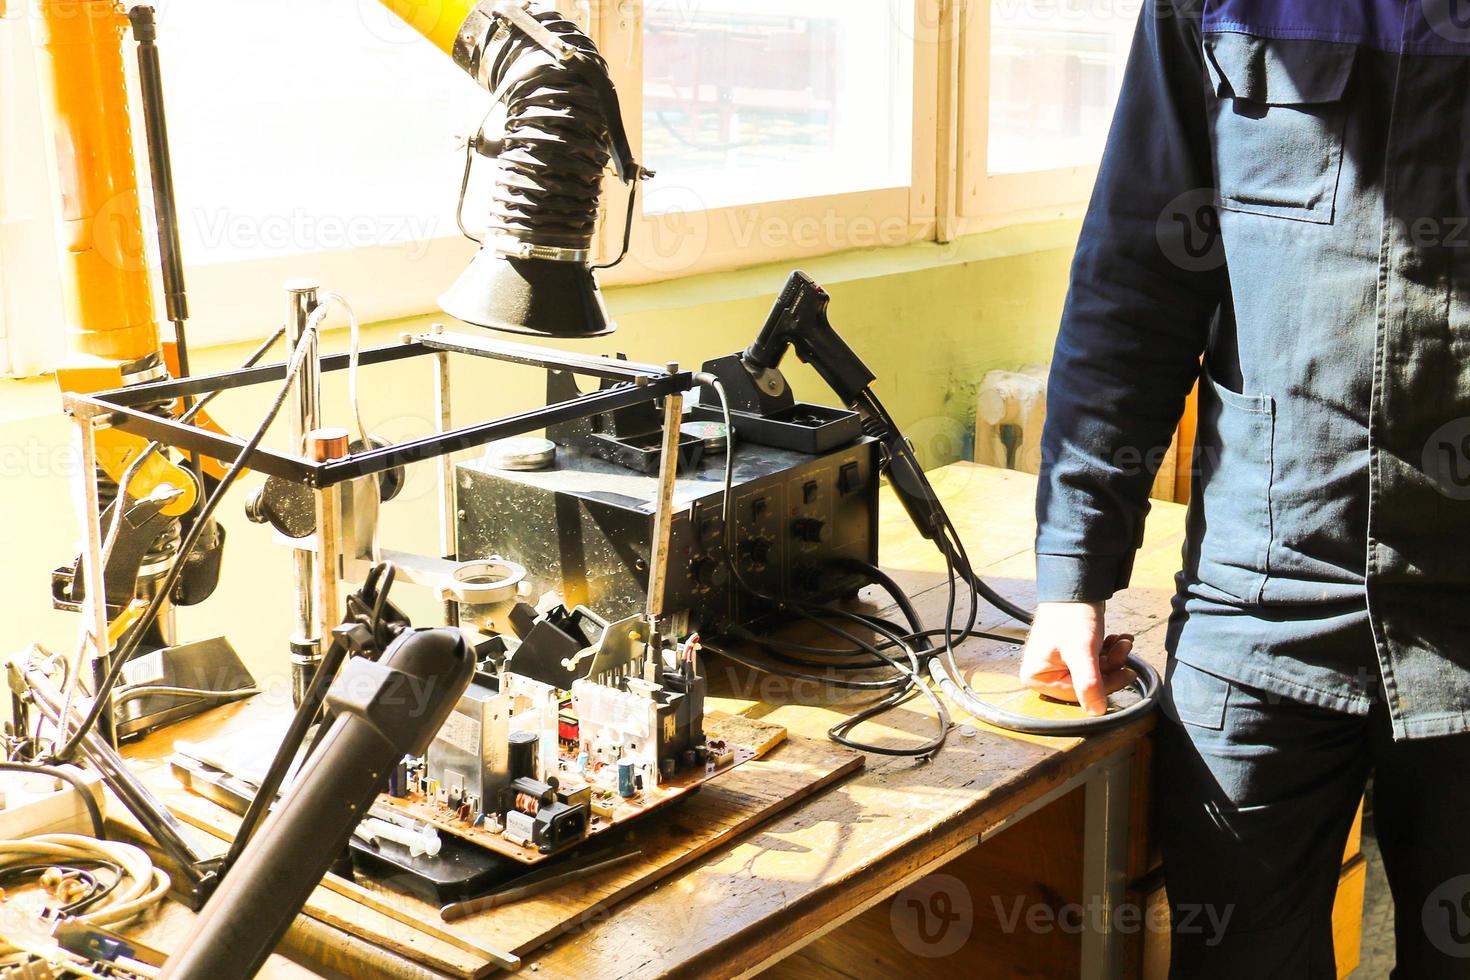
105, 284
107, 297
437, 20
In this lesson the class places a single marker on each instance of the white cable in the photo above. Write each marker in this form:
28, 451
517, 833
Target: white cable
141, 888
354, 351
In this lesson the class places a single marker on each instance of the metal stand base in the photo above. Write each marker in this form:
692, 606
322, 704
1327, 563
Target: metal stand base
205, 665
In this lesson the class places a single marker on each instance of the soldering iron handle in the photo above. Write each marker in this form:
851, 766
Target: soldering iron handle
384, 710
769, 347
799, 320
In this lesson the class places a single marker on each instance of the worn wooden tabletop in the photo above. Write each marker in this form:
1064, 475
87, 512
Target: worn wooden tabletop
858, 841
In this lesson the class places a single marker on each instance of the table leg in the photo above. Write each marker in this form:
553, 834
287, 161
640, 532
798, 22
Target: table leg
1105, 865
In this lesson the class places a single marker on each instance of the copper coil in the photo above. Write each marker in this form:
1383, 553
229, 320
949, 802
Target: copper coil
527, 804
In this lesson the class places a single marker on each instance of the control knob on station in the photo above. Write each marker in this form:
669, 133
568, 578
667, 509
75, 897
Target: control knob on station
812, 530
709, 573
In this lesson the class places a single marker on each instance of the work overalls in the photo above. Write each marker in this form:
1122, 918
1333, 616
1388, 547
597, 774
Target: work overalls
1283, 215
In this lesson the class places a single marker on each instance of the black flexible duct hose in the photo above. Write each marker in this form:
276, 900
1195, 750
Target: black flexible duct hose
555, 147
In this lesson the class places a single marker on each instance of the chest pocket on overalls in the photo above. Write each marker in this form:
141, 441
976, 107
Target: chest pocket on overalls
1278, 126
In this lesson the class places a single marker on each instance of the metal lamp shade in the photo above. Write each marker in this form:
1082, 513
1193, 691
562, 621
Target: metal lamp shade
541, 297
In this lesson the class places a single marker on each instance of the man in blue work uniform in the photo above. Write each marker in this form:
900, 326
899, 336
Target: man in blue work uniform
1283, 213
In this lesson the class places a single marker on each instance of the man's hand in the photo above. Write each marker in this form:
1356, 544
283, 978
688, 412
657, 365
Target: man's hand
1069, 658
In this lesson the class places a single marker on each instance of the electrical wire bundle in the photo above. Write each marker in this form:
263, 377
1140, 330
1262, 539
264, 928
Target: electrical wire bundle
899, 681
100, 883
906, 679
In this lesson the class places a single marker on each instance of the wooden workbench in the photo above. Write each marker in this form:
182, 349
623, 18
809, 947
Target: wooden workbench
809, 872
794, 895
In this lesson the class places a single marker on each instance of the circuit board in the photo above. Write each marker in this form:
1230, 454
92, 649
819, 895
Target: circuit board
610, 809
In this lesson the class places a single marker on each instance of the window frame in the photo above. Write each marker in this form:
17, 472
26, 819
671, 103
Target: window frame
32, 339
719, 239
983, 200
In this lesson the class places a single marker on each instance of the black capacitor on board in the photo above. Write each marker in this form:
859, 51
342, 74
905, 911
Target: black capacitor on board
522, 755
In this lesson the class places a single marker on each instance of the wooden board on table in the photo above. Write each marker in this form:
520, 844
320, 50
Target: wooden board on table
739, 800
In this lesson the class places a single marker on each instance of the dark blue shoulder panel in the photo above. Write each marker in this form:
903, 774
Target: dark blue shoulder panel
1428, 26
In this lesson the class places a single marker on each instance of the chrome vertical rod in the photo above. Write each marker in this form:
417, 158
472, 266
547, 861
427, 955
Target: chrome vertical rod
305, 411
89, 517
325, 445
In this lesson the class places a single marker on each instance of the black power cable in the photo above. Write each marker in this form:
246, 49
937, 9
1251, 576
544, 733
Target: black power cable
946, 673
906, 686
942, 664
94, 812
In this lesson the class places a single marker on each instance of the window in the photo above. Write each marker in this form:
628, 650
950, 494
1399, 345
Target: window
31, 335
747, 101
1054, 80
338, 133
1040, 79
326, 150
778, 129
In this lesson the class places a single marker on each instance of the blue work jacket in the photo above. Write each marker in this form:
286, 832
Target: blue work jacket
1283, 214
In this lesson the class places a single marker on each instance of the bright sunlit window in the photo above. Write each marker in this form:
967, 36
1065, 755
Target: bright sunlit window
1055, 69
338, 133
761, 100
333, 148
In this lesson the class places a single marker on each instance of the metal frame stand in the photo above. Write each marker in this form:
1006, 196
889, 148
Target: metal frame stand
318, 604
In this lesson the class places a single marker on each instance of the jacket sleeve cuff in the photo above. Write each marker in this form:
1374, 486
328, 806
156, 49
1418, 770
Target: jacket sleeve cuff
1072, 578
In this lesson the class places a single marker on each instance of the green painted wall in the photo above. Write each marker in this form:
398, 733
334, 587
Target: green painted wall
929, 319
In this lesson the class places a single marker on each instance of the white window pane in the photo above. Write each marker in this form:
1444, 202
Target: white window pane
764, 100
1055, 68
318, 126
